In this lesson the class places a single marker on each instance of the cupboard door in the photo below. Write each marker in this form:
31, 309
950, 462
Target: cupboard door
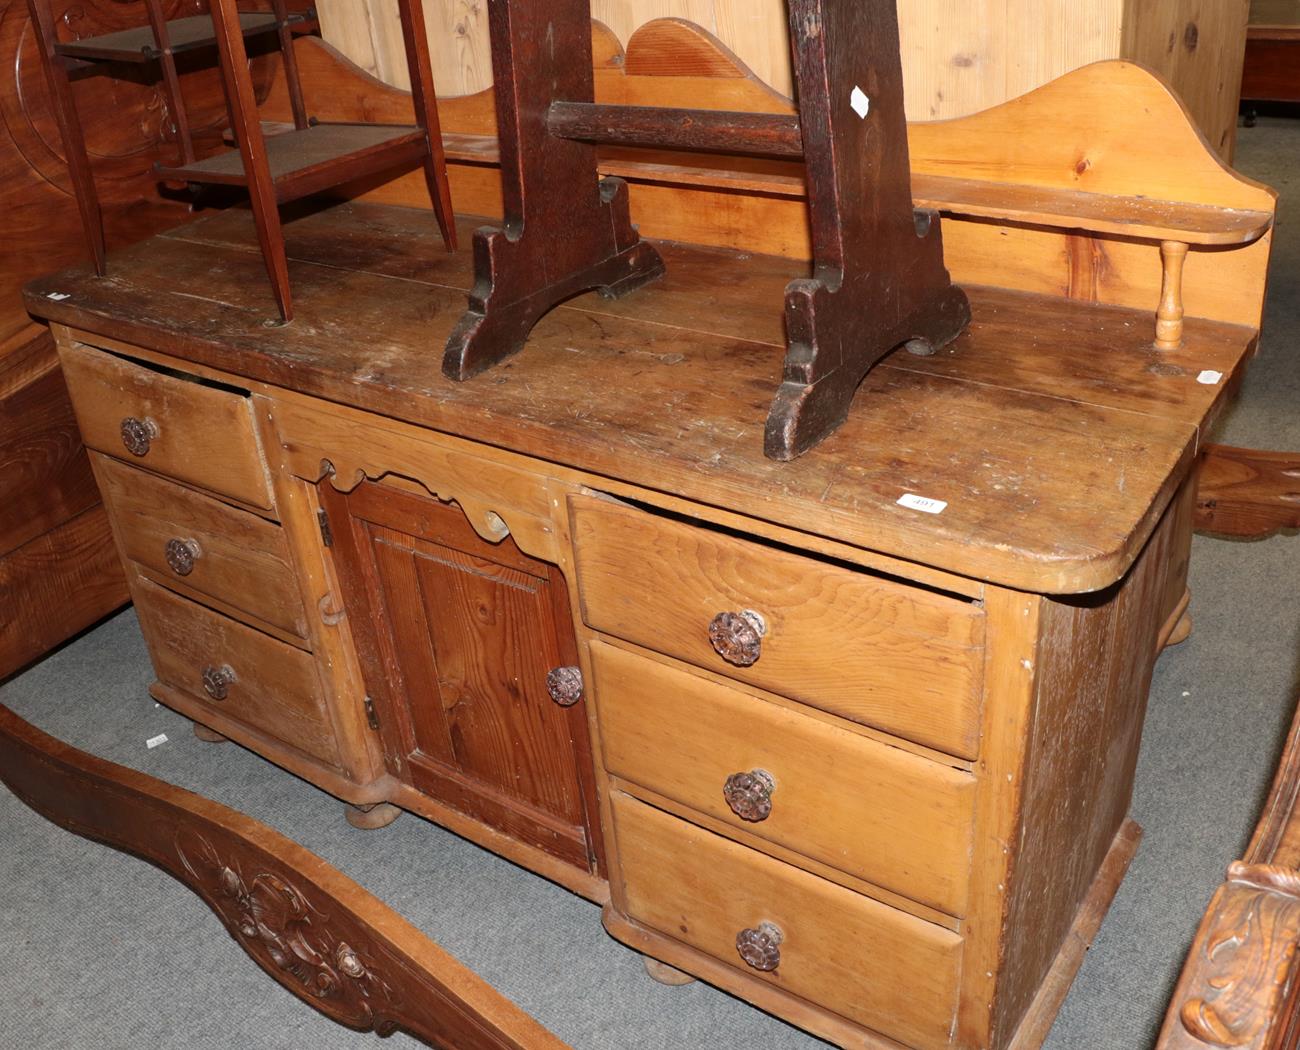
456, 642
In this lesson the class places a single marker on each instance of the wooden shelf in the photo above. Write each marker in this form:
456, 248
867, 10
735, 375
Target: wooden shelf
315, 158
185, 34
1140, 217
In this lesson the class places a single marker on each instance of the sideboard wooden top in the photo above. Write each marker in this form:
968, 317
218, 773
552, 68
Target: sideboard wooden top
1052, 428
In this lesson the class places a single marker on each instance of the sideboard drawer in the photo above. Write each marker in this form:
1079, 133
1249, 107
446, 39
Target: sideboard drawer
868, 962
244, 673
874, 811
185, 428
229, 555
901, 658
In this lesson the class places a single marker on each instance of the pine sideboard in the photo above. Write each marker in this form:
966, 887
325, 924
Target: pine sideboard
863, 765
851, 737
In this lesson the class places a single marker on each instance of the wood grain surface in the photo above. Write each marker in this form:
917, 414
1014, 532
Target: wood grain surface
1103, 466
1060, 139
46, 496
854, 803
1248, 492
204, 436
56, 584
1092, 675
243, 561
456, 641
901, 659
275, 686
44, 474
887, 970
958, 57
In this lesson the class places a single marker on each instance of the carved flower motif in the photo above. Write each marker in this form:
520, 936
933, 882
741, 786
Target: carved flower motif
349, 962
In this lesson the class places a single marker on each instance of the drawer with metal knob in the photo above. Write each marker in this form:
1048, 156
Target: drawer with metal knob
902, 658
875, 812
197, 432
247, 675
195, 543
870, 963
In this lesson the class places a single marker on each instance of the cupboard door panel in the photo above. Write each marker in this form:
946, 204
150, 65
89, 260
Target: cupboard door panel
459, 640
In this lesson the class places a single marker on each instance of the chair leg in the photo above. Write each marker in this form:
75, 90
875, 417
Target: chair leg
290, 59
270, 236
425, 100
74, 140
435, 176
247, 127
171, 80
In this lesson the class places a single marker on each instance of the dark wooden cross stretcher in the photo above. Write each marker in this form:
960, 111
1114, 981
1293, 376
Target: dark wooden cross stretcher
878, 278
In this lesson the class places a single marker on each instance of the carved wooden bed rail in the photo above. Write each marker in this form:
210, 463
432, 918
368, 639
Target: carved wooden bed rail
1240, 986
312, 929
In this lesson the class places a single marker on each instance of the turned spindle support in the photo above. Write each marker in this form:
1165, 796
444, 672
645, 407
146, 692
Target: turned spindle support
1169, 318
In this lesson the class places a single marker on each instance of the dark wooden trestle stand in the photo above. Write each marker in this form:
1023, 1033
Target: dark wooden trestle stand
878, 277
566, 230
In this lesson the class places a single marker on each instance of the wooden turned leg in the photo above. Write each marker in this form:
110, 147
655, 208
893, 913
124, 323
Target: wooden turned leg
665, 974
208, 736
1169, 318
372, 818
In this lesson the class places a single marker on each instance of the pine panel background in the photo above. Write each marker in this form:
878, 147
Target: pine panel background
959, 56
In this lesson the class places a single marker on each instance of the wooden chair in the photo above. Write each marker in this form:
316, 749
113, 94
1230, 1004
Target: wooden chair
276, 169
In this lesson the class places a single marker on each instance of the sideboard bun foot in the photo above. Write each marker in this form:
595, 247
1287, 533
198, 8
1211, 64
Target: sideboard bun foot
665, 974
372, 818
1178, 627
1181, 632
208, 736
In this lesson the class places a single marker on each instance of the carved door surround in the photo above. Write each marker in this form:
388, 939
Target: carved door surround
454, 584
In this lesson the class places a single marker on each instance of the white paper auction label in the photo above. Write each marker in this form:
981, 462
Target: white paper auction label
154, 741
923, 503
1210, 378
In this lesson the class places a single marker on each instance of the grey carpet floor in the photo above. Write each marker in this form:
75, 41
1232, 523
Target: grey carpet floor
99, 950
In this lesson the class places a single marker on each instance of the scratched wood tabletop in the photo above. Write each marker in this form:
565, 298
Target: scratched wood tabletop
1053, 430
